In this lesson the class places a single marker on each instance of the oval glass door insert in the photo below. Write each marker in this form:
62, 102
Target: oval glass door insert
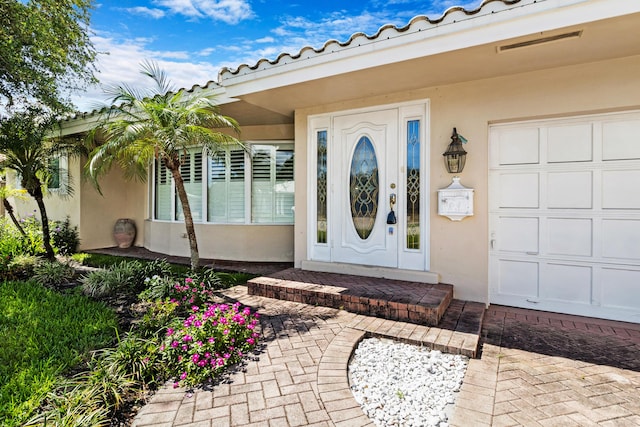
364, 187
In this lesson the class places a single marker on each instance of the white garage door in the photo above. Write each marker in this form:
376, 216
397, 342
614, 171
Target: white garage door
564, 200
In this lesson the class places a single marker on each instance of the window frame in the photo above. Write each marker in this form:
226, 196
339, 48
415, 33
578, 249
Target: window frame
206, 164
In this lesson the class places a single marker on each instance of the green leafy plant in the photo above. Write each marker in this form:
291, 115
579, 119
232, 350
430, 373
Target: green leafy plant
65, 237
21, 267
100, 283
157, 288
208, 341
119, 277
53, 274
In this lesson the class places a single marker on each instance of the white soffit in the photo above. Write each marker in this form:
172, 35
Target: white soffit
493, 21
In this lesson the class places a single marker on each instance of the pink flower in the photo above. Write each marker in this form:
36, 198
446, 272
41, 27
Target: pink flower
169, 332
188, 280
174, 344
183, 375
251, 341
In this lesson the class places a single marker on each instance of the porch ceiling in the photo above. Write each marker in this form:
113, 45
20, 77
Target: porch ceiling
600, 40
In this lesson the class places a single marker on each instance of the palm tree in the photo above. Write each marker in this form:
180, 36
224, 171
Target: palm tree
159, 124
28, 148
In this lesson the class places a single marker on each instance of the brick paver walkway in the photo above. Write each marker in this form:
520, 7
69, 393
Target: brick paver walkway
544, 369
300, 376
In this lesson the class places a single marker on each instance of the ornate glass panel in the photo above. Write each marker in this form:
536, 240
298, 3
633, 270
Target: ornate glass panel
364, 187
413, 184
321, 187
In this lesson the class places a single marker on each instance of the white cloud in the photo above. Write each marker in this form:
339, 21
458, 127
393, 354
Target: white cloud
229, 11
265, 40
206, 51
145, 11
122, 67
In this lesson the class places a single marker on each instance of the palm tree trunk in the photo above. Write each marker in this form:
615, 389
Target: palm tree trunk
188, 218
9, 209
46, 234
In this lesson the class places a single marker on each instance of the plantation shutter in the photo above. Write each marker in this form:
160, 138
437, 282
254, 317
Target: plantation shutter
191, 171
163, 191
272, 184
226, 196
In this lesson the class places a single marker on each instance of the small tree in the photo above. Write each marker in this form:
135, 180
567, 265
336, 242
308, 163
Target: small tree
160, 124
29, 150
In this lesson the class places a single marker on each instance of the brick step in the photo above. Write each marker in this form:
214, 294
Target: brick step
420, 303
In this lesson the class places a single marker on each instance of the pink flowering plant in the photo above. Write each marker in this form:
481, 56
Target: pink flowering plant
191, 293
212, 338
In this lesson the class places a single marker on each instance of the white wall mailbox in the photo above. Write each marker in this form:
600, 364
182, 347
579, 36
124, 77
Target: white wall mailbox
456, 201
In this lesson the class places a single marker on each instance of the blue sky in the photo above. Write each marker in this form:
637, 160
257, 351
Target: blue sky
193, 39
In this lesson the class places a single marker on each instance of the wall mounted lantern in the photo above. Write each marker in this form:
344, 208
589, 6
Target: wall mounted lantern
455, 156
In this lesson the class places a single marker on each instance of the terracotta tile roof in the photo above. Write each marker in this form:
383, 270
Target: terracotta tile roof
419, 23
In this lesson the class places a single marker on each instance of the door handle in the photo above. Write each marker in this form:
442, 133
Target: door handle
391, 218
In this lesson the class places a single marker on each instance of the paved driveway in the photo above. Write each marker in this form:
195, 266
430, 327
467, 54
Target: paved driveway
534, 370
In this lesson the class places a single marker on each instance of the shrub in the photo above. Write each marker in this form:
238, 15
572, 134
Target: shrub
157, 288
119, 277
100, 283
65, 238
209, 277
208, 341
157, 318
21, 267
191, 293
53, 274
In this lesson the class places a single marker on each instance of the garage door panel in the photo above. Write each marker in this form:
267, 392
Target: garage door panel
621, 239
620, 140
564, 215
570, 237
621, 289
570, 190
519, 146
519, 234
519, 190
620, 189
571, 143
567, 283
519, 278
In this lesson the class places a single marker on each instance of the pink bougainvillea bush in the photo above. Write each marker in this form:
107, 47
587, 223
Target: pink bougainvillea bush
213, 337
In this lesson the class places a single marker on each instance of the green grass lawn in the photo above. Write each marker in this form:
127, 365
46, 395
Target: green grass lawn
42, 334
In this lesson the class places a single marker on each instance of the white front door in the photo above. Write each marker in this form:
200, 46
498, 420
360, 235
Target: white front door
366, 182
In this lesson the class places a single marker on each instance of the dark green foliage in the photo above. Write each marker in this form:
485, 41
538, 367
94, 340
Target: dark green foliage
65, 237
46, 50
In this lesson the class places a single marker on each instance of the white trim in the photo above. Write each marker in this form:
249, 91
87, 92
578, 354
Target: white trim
496, 21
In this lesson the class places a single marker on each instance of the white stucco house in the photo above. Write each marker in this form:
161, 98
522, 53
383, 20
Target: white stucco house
547, 94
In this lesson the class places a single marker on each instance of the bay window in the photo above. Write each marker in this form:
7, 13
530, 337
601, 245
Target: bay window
235, 186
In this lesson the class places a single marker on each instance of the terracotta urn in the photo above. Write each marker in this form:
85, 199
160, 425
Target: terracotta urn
124, 232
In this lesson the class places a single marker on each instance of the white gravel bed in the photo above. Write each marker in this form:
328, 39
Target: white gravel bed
399, 384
